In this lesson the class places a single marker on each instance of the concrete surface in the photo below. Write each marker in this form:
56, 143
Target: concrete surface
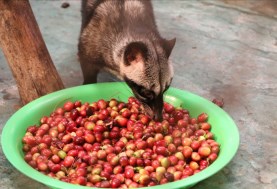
225, 49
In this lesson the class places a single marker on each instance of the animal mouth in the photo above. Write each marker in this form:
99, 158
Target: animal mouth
153, 104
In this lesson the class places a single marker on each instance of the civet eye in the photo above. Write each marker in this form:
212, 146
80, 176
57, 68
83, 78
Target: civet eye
140, 92
146, 94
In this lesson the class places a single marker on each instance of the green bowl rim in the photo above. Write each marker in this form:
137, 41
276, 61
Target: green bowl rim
54, 183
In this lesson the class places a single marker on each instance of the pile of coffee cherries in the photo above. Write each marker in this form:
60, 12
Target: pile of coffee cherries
113, 144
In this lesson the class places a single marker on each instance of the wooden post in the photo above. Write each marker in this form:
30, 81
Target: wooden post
26, 52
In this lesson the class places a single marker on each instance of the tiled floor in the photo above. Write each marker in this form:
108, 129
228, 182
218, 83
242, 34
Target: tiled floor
225, 49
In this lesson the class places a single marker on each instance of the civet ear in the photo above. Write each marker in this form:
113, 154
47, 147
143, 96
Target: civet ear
135, 52
168, 46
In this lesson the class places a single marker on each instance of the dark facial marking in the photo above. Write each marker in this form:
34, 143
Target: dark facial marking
143, 94
147, 97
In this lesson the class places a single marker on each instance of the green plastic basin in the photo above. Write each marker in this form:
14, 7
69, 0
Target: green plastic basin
223, 127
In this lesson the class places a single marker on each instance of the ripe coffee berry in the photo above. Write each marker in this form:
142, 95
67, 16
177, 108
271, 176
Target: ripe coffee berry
218, 102
113, 144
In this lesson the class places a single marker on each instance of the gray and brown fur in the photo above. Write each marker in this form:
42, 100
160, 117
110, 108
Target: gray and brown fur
121, 36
